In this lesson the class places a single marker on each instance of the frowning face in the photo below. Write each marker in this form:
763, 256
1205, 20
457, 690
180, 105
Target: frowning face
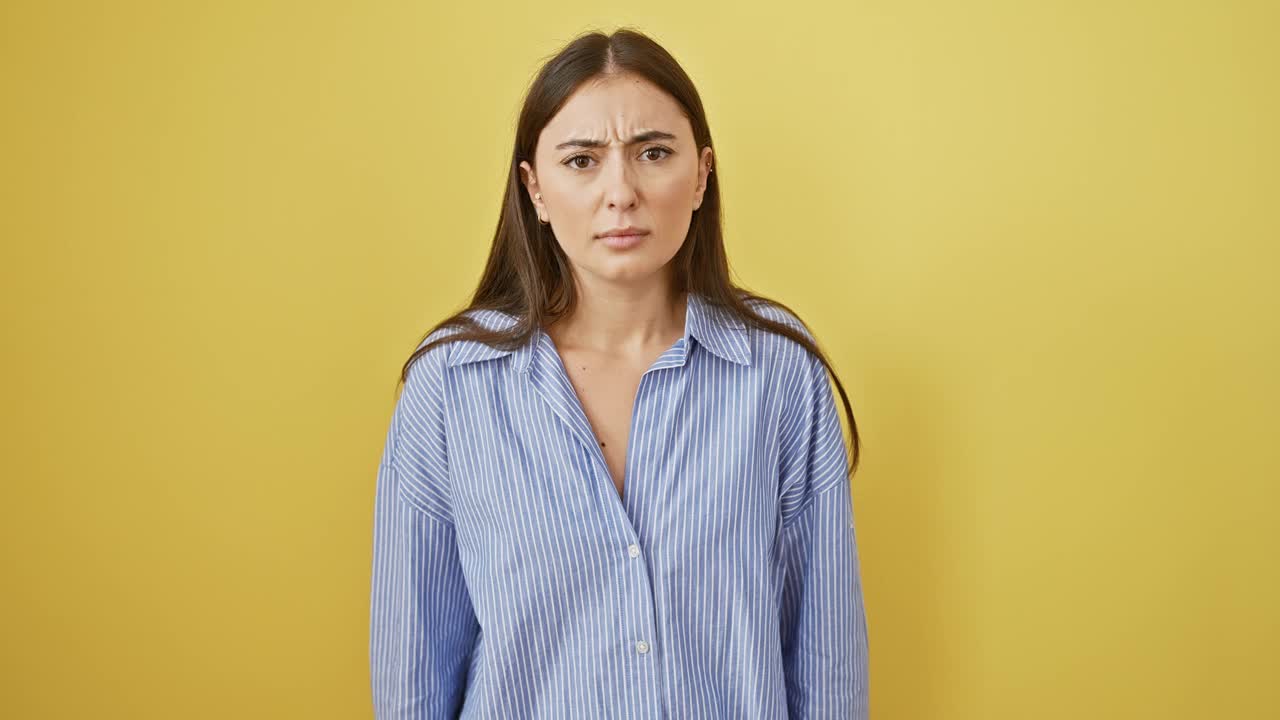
620, 153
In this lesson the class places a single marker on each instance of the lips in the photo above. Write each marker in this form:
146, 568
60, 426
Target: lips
622, 242
628, 230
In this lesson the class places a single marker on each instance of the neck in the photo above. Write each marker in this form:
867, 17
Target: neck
619, 319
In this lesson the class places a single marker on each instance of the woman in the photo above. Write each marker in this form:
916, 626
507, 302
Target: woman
616, 485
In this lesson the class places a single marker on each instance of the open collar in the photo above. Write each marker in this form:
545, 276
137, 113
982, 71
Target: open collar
711, 326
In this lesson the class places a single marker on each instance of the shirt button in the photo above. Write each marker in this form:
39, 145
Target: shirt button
642, 647
633, 550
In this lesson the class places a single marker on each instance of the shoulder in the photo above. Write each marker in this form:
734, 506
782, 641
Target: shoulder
777, 350
427, 377
795, 376
440, 355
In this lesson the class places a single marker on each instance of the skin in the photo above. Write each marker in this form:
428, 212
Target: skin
627, 313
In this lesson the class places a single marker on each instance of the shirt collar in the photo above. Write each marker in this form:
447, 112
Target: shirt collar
713, 327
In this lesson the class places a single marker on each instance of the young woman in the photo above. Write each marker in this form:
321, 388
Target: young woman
616, 485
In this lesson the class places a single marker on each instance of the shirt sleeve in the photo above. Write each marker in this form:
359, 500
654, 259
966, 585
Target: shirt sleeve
422, 624
823, 620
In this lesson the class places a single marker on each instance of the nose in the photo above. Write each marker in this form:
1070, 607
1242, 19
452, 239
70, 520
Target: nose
620, 186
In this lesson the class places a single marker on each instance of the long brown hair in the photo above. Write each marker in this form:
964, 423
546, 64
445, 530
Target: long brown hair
527, 274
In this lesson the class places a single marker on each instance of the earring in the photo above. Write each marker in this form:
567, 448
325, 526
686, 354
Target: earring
540, 218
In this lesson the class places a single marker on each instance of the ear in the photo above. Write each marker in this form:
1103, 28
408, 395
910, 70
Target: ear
530, 181
704, 170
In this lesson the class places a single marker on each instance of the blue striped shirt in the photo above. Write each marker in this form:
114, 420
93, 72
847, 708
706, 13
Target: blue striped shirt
511, 580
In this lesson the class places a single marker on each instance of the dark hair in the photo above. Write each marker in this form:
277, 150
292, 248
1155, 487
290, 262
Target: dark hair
529, 277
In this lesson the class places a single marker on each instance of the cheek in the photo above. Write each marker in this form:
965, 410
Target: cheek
575, 208
673, 193
672, 207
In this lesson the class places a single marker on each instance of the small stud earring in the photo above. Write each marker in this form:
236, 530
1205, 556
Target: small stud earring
541, 219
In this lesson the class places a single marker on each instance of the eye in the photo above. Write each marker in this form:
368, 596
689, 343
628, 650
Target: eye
573, 161
657, 148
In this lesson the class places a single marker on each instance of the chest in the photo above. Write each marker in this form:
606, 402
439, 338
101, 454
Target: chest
606, 391
538, 462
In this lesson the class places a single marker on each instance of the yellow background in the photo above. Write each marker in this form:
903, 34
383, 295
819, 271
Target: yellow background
1039, 239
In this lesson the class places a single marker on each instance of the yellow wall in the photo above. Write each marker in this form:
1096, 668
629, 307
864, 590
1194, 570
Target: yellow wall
1040, 240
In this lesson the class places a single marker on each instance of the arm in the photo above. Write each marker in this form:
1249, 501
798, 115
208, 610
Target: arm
422, 626
824, 627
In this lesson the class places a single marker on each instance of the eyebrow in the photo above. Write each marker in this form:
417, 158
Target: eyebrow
639, 138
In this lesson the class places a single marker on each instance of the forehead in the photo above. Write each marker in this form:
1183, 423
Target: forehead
614, 108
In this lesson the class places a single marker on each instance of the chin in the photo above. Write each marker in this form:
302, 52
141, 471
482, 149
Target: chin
627, 273
628, 268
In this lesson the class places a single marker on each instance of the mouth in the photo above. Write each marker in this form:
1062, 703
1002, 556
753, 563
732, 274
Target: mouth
624, 241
